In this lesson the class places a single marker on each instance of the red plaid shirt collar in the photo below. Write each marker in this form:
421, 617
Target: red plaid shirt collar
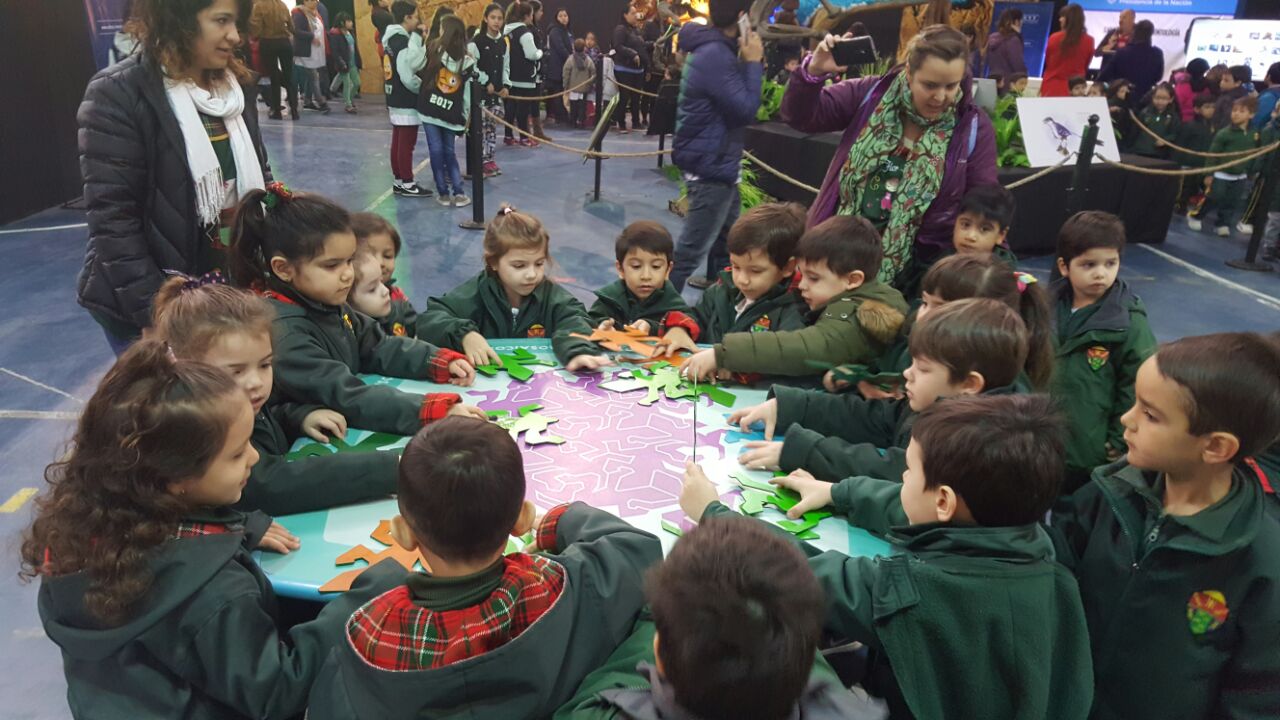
191, 529
392, 633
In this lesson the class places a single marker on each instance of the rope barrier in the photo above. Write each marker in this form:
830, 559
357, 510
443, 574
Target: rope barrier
1192, 171
1189, 151
624, 86
778, 173
570, 149
1039, 174
540, 98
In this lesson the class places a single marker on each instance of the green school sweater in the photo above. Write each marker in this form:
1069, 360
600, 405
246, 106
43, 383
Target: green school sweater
1165, 124
203, 643
1234, 139
1195, 135
853, 327
402, 321
1099, 350
281, 487
616, 302
717, 310
480, 305
319, 350
962, 615
1184, 612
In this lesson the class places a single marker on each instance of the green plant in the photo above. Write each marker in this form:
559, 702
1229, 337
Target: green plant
770, 100
748, 191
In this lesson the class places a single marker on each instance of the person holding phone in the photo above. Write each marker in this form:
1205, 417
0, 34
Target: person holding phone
914, 143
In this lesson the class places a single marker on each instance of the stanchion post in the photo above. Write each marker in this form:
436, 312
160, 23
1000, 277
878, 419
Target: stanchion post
1259, 218
599, 114
1084, 159
475, 133
662, 145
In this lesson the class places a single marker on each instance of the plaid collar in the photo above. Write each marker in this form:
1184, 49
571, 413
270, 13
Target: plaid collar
191, 529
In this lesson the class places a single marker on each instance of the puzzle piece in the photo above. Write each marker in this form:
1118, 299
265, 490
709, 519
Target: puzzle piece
675, 361
752, 501
807, 523
408, 558
337, 445
854, 374
746, 481
783, 499
626, 340
663, 379
672, 528
530, 422
516, 364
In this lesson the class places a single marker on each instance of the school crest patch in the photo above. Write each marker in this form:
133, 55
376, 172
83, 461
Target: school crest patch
536, 331
1097, 356
761, 325
1206, 611
346, 320
398, 330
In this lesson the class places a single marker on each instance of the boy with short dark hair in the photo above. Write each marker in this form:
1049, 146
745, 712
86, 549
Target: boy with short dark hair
1227, 189
1103, 337
1230, 89
982, 227
642, 296
852, 315
1077, 86
971, 618
736, 620
1174, 546
443, 643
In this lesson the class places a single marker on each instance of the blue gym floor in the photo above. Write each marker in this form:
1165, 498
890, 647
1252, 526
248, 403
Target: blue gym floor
52, 353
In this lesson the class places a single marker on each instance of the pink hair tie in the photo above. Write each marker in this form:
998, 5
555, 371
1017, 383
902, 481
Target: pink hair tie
1024, 279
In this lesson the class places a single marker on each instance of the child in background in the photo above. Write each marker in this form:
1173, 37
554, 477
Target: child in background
297, 250
642, 297
1015, 84
369, 295
1161, 117
967, 347
405, 57
1226, 191
1269, 165
736, 621
511, 634
982, 227
1194, 135
444, 104
491, 48
1096, 89
1120, 101
1231, 87
1079, 87
382, 240
852, 316
522, 60
346, 60
1184, 95
1103, 338
972, 604
512, 298
1174, 546
231, 329
579, 69
158, 605
592, 47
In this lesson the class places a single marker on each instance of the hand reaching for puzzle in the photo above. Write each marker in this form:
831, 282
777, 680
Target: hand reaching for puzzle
700, 367
815, 494
323, 424
762, 455
676, 339
697, 492
278, 539
478, 350
470, 411
641, 326
766, 412
464, 374
588, 363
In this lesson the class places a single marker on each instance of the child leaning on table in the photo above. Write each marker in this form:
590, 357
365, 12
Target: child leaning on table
512, 635
642, 297
972, 603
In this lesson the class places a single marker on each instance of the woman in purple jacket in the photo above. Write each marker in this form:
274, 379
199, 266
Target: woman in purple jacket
913, 143
1004, 46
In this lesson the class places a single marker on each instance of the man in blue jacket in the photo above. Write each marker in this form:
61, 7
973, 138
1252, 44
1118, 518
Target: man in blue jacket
719, 96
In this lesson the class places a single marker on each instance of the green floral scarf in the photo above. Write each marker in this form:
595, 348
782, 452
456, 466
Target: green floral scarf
921, 176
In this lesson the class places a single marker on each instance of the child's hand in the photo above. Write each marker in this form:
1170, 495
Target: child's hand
697, 492
832, 385
766, 412
815, 494
761, 455
323, 424
871, 391
277, 539
605, 325
702, 366
478, 350
675, 340
641, 325
588, 363
470, 411
463, 373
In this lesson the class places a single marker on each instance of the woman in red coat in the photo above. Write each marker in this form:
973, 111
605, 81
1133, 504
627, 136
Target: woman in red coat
1068, 54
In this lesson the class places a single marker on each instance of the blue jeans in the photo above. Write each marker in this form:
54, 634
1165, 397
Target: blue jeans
713, 209
444, 161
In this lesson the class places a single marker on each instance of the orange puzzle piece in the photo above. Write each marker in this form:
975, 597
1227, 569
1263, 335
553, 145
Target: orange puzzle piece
382, 534
628, 339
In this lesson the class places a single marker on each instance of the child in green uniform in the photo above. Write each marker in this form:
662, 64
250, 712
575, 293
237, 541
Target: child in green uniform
982, 227
852, 316
1103, 337
1226, 190
148, 583
1195, 135
511, 298
734, 631
641, 296
1175, 546
756, 293
231, 329
483, 634
382, 240
967, 347
1161, 117
297, 250
970, 617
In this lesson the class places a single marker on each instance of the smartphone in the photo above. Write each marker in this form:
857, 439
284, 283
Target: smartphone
856, 51
744, 26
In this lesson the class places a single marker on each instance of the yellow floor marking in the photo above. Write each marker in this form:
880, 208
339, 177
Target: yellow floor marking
17, 500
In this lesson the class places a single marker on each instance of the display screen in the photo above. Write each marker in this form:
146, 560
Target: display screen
1255, 43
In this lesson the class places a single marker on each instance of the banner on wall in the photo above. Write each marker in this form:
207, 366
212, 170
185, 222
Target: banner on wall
1216, 8
1170, 34
106, 18
1255, 43
1037, 24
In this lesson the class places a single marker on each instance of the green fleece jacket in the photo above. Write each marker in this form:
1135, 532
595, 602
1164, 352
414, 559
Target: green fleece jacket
203, 643
604, 560
320, 349
402, 321
616, 302
281, 487
628, 687
1100, 348
1184, 612
972, 622
1232, 139
1165, 124
853, 327
1194, 135
480, 305
717, 310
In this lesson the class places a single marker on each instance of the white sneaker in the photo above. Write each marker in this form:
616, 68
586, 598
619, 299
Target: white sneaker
1194, 223
1244, 228
1223, 231
461, 201
444, 199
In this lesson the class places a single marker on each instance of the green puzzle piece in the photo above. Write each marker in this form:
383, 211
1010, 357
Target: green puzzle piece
664, 379
752, 502
807, 523
783, 499
854, 374
808, 535
746, 481
338, 445
515, 364
530, 422
672, 528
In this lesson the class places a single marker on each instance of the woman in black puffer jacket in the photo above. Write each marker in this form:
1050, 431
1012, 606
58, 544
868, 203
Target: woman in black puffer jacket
148, 211
630, 65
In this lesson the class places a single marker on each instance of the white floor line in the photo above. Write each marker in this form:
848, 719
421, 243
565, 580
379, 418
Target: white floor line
43, 229
1261, 297
329, 127
387, 193
37, 415
39, 384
